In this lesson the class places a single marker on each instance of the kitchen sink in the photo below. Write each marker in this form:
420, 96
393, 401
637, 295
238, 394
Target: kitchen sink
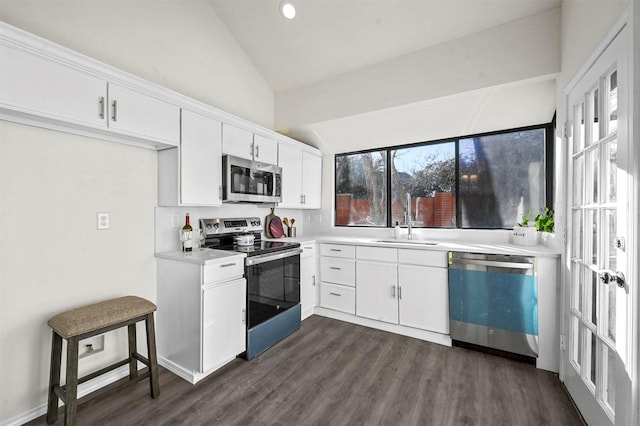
412, 242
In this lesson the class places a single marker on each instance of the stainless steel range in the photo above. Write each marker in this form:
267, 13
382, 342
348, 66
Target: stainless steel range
272, 270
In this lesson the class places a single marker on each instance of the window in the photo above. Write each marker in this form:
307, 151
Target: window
483, 181
361, 182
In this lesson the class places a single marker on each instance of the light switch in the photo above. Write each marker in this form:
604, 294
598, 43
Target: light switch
103, 221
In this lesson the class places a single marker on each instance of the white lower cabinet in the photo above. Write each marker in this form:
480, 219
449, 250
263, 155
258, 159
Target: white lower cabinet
377, 290
423, 298
308, 279
201, 318
338, 297
338, 277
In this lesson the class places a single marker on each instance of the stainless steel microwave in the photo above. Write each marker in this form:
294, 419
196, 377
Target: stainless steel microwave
246, 181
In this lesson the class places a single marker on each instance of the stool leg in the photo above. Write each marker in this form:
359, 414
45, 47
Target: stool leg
133, 363
71, 387
153, 357
54, 377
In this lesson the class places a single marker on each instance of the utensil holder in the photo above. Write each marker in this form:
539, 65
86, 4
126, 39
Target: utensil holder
292, 231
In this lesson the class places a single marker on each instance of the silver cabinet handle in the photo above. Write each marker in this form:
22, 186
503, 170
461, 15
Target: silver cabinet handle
335, 249
304, 199
393, 291
307, 247
114, 116
400, 292
257, 151
335, 294
335, 267
244, 315
220, 192
301, 199
101, 103
313, 280
226, 265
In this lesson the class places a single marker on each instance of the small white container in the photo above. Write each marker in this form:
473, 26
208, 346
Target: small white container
525, 236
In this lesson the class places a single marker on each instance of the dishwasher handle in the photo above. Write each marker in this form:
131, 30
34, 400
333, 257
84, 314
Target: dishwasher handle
495, 263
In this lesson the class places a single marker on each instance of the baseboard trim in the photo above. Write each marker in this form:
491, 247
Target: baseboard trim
83, 390
429, 336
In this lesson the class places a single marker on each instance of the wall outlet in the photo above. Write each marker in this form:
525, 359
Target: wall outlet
104, 221
91, 346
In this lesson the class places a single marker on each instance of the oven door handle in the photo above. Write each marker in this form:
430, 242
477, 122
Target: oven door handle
256, 260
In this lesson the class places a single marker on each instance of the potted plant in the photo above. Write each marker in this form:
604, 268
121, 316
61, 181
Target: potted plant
525, 234
545, 224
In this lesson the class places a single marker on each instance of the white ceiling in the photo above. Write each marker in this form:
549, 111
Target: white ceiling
330, 37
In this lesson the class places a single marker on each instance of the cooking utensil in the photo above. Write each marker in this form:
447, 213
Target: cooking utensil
286, 222
267, 224
275, 226
292, 222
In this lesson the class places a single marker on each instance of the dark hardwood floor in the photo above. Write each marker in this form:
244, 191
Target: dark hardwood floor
335, 373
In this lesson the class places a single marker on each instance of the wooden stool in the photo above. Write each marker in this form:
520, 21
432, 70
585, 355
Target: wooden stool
87, 321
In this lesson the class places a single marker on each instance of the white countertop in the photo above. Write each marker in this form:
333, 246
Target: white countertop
201, 256
442, 245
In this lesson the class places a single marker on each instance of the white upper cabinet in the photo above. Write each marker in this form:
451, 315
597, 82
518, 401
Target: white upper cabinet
191, 175
265, 150
237, 142
35, 85
244, 144
136, 114
301, 177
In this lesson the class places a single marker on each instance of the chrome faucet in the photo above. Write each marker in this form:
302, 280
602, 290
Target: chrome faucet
409, 236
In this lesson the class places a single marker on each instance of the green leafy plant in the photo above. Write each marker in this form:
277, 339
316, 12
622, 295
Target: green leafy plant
525, 219
544, 221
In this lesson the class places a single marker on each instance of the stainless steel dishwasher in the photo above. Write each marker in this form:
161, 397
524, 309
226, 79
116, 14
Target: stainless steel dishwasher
493, 301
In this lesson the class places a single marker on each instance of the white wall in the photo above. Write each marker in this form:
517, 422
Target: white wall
52, 184
515, 51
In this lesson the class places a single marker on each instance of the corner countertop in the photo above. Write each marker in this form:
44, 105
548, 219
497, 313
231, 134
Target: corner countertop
442, 245
201, 256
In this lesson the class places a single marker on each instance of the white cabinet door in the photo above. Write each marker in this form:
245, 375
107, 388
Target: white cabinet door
35, 85
139, 115
308, 285
376, 291
237, 142
223, 323
200, 160
265, 150
290, 159
424, 297
311, 180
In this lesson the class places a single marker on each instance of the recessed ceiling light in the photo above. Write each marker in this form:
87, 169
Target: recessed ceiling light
288, 10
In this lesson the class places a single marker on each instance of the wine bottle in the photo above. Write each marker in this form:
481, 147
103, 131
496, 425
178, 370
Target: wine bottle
186, 235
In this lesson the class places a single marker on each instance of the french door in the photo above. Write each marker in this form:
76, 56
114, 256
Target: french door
597, 305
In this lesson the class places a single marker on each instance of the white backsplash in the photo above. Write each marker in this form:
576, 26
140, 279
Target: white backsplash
168, 236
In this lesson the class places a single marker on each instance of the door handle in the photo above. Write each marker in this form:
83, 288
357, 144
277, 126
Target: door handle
101, 107
114, 116
607, 276
393, 291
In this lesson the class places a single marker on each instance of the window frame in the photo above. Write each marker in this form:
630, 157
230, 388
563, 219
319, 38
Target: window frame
549, 166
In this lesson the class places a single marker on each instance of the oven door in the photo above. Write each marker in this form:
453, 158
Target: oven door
249, 181
273, 285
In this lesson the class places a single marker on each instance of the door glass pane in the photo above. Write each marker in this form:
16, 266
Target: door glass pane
578, 173
610, 260
592, 297
610, 391
594, 111
591, 176
592, 357
578, 130
576, 282
611, 175
576, 350
591, 236
611, 313
612, 84
577, 235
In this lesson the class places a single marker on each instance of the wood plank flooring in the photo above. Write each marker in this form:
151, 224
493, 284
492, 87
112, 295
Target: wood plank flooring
335, 373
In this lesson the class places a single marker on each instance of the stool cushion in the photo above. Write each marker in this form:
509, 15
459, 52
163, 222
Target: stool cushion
99, 315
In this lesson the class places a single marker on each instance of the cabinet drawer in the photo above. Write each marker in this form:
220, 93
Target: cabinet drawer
223, 271
338, 250
423, 257
308, 250
382, 254
338, 297
338, 271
